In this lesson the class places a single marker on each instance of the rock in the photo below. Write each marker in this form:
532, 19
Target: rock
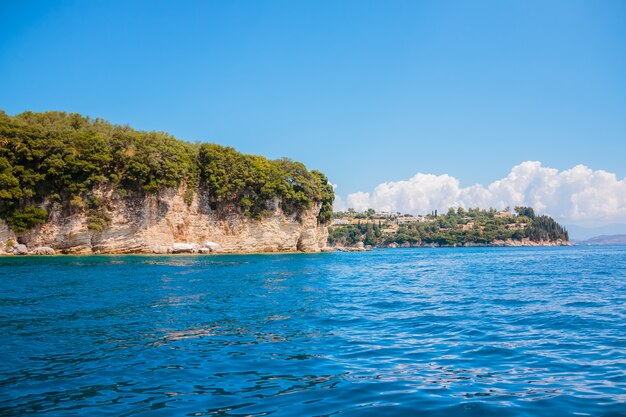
358, 247
78, 250
327, 249
20, 250
149, 223
43, 250
161, 249
204, 250
184, 248
6, 235
212, 246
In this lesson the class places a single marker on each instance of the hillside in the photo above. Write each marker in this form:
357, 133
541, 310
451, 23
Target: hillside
58, 168
605, 240
455, 228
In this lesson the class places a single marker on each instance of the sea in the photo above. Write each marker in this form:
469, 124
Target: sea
392, 332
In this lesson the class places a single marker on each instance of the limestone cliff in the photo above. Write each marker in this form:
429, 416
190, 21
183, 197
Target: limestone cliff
154, 223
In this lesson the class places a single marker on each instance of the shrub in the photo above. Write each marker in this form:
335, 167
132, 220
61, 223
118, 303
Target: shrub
22, 220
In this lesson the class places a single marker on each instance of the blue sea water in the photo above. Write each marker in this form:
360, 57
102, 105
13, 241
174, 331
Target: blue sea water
424, 332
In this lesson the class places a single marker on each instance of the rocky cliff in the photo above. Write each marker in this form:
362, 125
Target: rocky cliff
169, 221
74, 184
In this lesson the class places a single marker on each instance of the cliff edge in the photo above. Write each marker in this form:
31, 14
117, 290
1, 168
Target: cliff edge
165, 223
73, 184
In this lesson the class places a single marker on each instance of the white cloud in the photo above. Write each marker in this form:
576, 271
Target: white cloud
578, 195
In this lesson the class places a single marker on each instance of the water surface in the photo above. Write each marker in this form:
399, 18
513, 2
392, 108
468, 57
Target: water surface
441, 332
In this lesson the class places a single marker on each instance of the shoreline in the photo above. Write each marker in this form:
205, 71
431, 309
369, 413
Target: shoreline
325, 250
360, 247
60, 253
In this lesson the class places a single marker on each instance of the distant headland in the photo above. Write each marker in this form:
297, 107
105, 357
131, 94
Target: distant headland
458, 227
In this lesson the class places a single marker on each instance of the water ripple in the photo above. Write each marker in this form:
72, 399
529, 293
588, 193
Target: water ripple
429, 332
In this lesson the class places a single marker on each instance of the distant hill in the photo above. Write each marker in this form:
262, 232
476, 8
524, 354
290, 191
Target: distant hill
458, 227
579, 233
605, 240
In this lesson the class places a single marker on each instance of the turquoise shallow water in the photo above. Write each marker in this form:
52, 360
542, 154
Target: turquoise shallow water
441, 332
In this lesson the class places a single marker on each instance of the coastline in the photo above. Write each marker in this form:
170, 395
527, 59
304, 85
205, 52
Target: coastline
501, 244
495, 244
155, 255
53, 252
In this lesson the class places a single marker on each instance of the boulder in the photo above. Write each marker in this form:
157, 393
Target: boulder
161, 249
184, 248
43, 250
213, 247
20, 250
204, 250
358, 247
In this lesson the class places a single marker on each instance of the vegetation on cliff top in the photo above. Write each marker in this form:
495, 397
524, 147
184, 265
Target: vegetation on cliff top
60, 157
456, 227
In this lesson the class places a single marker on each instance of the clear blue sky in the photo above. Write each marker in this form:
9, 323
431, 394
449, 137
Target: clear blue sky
365, 91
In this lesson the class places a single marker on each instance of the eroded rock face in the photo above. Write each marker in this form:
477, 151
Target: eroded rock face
185, 248
42, 250
6, 236
20, 250
212, 246
528, 242
159, 223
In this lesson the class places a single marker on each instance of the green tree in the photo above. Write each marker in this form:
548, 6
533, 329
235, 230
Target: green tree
56, 156
525, 211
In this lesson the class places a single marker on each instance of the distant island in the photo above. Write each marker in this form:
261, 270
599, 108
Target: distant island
604, 240
73, 184
457, 227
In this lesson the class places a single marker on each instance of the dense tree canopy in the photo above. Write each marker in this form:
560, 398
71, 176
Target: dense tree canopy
456, 227
62, 157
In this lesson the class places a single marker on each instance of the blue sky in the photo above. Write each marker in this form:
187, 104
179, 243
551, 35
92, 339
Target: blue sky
365, 91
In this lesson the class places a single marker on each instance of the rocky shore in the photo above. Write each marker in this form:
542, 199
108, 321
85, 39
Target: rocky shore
495, 243
361, 247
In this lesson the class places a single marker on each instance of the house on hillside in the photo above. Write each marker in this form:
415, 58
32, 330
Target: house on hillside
412, 219
383, 214
503, 214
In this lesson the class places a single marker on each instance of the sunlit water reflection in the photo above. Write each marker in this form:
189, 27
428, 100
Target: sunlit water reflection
481, 331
